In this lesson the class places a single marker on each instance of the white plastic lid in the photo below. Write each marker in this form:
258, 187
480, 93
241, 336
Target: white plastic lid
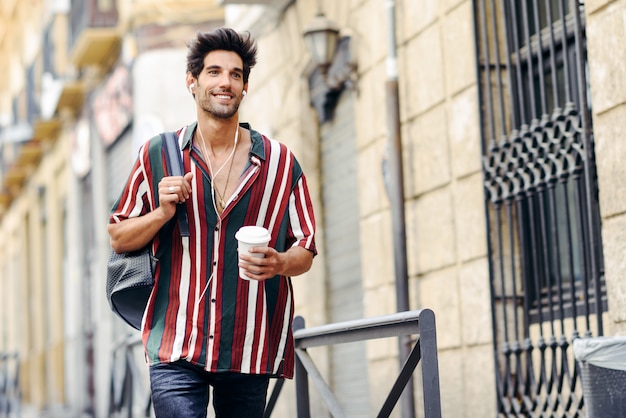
253, 234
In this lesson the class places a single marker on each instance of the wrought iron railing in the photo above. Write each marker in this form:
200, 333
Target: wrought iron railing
420, 323
10, 395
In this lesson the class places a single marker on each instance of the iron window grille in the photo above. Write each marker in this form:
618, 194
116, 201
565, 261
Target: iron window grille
543, 223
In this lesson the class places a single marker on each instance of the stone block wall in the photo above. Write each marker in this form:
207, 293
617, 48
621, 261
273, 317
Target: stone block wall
606, 31
445, 202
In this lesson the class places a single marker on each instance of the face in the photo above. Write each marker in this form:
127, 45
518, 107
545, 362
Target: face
220, 84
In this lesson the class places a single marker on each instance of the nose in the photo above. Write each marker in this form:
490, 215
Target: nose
225, 81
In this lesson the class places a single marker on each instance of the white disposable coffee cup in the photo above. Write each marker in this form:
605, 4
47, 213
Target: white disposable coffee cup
248, 237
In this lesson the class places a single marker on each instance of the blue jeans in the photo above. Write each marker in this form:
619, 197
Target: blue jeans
181, 389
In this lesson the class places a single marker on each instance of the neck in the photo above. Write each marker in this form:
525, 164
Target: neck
221, 144
217, 135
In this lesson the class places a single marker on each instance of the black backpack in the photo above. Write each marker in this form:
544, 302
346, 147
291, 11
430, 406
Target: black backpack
130, 275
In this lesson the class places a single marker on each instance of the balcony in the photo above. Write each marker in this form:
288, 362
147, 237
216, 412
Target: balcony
71, 97
94, 36
26, 157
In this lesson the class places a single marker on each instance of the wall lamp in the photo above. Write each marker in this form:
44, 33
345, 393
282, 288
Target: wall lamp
335, 66
320, 37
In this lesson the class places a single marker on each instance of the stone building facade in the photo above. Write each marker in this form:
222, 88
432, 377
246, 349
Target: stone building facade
60, 175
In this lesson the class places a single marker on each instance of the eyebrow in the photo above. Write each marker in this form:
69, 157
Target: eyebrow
218, 67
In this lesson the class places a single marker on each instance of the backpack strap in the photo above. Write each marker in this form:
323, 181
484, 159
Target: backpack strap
174, 162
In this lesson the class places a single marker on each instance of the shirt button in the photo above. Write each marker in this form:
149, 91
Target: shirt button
210, 336
215, 263
217, 228
213, 300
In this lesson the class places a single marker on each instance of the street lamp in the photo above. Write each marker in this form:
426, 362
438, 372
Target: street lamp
320, 37
334, 64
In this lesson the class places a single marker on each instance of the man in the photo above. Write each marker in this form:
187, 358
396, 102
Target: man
204, 325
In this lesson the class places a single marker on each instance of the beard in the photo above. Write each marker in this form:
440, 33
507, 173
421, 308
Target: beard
219, 111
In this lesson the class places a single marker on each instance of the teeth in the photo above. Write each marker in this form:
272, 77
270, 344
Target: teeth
219, 96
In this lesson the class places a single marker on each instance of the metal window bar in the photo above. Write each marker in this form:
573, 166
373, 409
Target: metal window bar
545, 252
419, 322
10, 394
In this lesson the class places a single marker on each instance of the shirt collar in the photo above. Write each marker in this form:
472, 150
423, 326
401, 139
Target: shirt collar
189, 135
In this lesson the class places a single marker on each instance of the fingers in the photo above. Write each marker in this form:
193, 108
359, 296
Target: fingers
259, 268
175, 188
255, 272
261, 256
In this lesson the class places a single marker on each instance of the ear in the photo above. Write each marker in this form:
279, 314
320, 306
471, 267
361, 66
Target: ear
190, 81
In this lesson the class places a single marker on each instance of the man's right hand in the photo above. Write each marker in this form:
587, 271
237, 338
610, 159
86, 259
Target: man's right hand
173, 190
135, 233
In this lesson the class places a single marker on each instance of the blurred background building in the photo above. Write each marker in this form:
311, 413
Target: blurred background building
463, 155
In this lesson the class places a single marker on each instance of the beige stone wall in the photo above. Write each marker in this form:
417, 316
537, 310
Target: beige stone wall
444, 200
445, 210
606, 31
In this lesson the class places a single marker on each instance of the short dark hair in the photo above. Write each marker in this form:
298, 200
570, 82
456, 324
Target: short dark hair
224, 39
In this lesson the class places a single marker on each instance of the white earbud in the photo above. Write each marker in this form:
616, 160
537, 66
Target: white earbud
191, 86
243, 93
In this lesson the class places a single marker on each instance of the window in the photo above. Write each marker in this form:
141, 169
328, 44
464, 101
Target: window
545, 249
48, 50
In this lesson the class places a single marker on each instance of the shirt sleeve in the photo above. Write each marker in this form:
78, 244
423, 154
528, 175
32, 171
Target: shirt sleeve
301, 217
136, 196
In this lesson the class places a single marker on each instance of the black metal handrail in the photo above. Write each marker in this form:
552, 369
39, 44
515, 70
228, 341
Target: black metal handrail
127, 384
10, 394
419, 322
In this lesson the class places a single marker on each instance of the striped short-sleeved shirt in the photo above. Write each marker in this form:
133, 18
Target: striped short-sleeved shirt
200, 310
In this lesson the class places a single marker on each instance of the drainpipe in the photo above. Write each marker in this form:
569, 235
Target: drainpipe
395, 189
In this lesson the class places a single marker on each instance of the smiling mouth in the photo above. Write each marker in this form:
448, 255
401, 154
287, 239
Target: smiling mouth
223, 96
